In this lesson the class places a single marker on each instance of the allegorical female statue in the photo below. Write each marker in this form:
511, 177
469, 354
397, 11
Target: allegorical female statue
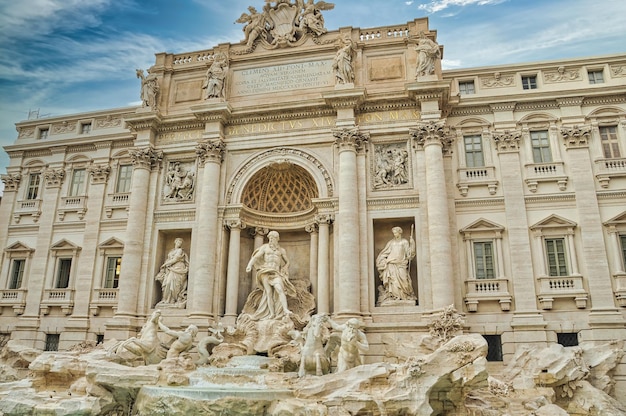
393, 265
173, 277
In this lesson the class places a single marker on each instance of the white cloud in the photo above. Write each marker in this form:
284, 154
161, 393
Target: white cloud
439, 5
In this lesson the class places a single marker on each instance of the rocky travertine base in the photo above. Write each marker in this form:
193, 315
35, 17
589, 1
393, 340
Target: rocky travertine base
450, 380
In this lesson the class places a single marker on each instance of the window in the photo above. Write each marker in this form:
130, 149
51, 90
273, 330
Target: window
52, 342
17, 273
43, 133
494, 347
112, 274
32, 191
78, 182
567, 339
483, 258
610, 146
541, 146
474, 151
466, 87
596, 77
124, 176
64, 268
529, 82
99, 339
85, 128
555, 249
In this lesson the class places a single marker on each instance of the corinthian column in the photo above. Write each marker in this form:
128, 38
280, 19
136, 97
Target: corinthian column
202, 277
144, 160
349, 141
432, 138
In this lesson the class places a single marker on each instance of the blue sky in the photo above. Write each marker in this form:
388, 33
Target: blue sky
70, 56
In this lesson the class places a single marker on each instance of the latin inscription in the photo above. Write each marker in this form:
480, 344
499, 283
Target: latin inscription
314, 74
181, 136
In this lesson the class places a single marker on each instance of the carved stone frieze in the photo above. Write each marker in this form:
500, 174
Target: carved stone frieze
99, 173
498, 80
11, 181
53, 177
180, 182
618, 70
108, 122
283, 24
576, 136
26, 133
64, 127
146, 158
210, 151
390, 167
507, 141
562, 75
350, 138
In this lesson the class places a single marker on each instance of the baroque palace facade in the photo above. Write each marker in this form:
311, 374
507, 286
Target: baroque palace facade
511, 180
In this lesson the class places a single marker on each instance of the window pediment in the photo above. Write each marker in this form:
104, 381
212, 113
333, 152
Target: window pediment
64, 246
554, 222
19, 247
482, 225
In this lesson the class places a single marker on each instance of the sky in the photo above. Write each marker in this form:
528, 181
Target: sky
61, 57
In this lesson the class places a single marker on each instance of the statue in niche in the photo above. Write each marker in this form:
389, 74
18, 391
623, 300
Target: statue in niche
393, 264
183, 340
311, 16
255, 25
216, 76
173, 277
427, 54
342, 64
353, 344
179, 183
391, 166
149, 89
272, 276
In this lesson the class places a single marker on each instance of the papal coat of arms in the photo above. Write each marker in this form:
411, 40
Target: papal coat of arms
284, 23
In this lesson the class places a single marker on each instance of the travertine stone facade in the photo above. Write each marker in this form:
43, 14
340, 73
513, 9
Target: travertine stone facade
516, 197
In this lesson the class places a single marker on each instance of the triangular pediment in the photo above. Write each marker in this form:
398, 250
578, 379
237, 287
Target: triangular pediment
64, 245
554, 221
18, 246
111, 243
618, 220
482, 224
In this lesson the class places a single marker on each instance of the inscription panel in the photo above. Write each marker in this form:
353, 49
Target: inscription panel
277, 78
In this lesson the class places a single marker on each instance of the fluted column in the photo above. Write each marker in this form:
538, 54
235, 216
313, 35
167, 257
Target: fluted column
203, 275
312, 229
323, 270
232, 273
348, 140
432, 138
604, 313
144, 160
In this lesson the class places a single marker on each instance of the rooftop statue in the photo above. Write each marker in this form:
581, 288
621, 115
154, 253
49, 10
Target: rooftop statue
283, 23
149, 89
427, 54
216, 77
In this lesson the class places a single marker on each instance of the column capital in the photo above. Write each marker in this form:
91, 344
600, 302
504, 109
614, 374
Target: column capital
54, 177
350, 139
311, 228
234, 223
431, 133
99, 173
210, 151
146, 158
507, 141
324, 218
11, 181
576, 136
255, 231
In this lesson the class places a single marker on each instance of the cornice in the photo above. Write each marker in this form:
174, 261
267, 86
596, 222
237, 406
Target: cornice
605, 100
490, 202
143, 121
460, 111
180, 126
391, 203
541, 199
281, 115
186, 215
618, 195
387, 105
82, 148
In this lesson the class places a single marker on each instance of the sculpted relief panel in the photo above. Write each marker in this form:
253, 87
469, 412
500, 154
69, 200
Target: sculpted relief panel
180, 182
390, 165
